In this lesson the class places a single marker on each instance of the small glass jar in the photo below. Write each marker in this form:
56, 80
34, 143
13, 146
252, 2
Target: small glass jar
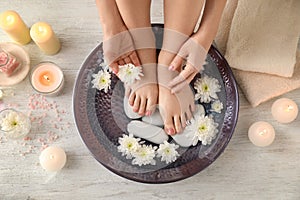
47, 78
8, 63
14, 124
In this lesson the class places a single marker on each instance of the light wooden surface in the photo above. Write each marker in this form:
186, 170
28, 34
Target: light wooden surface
243, 171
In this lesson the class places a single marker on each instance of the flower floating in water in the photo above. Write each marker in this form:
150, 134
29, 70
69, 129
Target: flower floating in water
144, 155
217, 106
207, 88
129, 73
167, 152
102, 80
128, 145
14, 123
205, 129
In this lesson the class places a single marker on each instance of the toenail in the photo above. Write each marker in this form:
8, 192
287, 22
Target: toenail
171, 68
148, 113
171, 131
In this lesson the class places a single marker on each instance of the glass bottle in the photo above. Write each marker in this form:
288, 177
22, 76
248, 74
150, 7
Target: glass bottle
14, 124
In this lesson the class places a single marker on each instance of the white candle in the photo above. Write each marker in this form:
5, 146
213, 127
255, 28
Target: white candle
284, 110
53, 159
43, 35
261, 134
47, 78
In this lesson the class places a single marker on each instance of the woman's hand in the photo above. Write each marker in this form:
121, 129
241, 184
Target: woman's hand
119, 49
194, 54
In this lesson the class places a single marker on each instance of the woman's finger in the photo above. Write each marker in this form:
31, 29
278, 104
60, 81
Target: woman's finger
114, 67
135, 59
121, 62
127, 60
176, 63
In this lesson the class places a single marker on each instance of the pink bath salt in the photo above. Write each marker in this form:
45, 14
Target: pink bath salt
27, 138
8, 63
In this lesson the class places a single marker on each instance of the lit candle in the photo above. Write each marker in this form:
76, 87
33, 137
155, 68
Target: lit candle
284, 110
53, 159
47, 78
14, 26
261, 134
43, 35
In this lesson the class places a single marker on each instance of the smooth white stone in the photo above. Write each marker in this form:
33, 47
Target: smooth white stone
128, 110
185, 138
147, 131
154, 119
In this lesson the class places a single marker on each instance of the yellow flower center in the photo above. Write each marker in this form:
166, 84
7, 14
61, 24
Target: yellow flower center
202, 128
129, 145
103, 80
205, 88
167, 151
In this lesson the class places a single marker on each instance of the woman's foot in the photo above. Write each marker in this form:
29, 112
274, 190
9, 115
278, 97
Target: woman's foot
143, 94
176, 108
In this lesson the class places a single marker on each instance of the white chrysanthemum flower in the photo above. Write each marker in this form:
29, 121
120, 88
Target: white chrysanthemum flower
129, 73
128, 145
217, 106
102, 80
14, 121
167, 152
207, 88
144, 155
205, 129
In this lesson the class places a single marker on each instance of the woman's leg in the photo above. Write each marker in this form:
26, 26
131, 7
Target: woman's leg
136, 16
180, 17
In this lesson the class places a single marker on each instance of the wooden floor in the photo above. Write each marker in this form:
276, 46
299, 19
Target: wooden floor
243, 171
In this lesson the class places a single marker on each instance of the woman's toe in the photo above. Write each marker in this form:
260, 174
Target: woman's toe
177, 123
189, 115
169, 126
150, 106
183, 120
193, 107
131, 99
136, 104
142, 107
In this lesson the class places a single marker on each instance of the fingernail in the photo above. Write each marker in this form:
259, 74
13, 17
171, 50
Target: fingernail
170, 131
171, 68
148, 113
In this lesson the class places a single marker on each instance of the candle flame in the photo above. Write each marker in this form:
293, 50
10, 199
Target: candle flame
46, 78
263, 132
289, 108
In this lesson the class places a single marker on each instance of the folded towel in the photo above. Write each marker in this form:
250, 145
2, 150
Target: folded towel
225, 24
259, 87
264, 36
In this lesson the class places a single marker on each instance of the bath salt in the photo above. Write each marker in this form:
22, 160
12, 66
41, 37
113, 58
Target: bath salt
8, 63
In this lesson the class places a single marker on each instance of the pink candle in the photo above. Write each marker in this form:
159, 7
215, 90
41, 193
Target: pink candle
47, 78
